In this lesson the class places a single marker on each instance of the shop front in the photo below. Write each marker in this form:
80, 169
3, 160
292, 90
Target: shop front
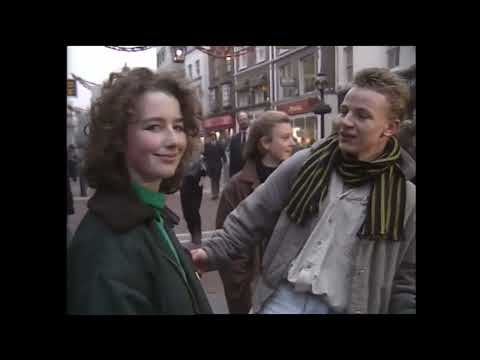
222, 126
304, 121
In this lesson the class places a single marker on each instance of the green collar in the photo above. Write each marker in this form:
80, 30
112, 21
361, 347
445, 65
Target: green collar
149, 197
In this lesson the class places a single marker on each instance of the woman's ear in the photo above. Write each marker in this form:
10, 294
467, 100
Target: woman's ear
265, 142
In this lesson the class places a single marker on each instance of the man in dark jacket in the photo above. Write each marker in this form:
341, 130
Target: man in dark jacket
237, 143
70, 208
214, 154
191, 194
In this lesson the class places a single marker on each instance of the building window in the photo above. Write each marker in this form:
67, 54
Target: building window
229, 65
259, 96
197, 67
190, 75
348, 52
308, 74
242, 59
243, 99
212, 99
288, 83
226, 95
261, 53
160, 57
393, 56
216, 67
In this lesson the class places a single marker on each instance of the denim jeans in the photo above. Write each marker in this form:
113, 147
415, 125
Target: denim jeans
286, 301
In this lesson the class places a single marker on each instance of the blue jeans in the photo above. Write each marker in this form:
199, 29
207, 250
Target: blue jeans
286, 301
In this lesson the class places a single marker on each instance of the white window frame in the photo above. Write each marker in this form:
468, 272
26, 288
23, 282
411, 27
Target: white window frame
282, 51
242, 59
229, 65
301, 78
197, 67
226, 95
258, 51
290, 74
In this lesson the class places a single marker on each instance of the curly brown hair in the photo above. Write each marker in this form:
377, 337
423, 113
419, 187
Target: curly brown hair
262, 127
114, 109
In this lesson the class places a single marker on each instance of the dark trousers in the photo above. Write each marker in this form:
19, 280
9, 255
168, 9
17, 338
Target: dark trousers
238, 282
215, 174
191, 199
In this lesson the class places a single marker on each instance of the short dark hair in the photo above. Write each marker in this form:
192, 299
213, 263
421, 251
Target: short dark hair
260, 128
110, 115
389, 84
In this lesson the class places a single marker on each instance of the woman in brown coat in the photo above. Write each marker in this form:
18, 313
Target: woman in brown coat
269, 143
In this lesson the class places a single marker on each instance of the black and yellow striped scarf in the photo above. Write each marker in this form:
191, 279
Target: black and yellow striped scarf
386, 210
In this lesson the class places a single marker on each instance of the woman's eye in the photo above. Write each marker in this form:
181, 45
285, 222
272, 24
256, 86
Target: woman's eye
154, 127
179, 128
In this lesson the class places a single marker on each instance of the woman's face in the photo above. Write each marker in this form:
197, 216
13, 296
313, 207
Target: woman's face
281, 145
156, 141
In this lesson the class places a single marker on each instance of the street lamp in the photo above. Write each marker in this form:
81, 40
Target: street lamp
322, 108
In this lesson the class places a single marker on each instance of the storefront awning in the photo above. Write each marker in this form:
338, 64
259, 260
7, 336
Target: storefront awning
219, 122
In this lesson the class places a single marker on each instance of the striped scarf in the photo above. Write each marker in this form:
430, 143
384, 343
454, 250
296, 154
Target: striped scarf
386, 210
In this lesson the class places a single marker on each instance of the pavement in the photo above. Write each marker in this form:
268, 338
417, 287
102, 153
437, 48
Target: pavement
211, 281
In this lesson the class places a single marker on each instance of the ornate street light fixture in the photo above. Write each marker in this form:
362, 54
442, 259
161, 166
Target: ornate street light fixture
322, 108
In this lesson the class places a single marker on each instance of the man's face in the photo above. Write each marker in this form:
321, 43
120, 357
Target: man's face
364, 124
243, 121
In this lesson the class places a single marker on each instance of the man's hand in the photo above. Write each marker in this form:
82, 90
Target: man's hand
200, 259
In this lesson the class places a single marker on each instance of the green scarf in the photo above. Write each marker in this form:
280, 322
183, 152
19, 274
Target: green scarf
156, 200
386, 210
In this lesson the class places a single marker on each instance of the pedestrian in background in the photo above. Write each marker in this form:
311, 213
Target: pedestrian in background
70, 207
124, 257
214, 155
340, 215
237, 143
269, 143
191, 192
72, 162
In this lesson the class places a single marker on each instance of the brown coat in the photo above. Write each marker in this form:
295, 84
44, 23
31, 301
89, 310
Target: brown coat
238, 278
238, 188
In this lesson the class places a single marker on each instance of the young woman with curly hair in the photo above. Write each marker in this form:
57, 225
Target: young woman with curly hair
124, 257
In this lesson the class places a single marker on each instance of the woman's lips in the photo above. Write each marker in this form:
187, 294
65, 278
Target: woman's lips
167, 157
